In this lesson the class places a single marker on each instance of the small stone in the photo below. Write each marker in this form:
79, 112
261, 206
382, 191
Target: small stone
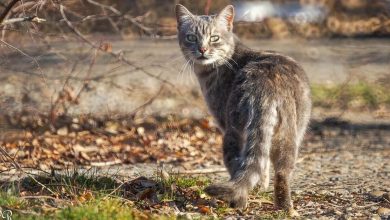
297, 192
100, 141
141, 131
200, 134
386, 196
375, 217
382, 211
376, 195
347, 217
75, 127
374, 208
111, 127
92, 123
35, 142
75, 120
293, 213
310, 204
62, 131
358, 214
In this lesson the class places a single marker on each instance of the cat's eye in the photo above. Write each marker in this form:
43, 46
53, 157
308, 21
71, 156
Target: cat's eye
214, 38
191, 38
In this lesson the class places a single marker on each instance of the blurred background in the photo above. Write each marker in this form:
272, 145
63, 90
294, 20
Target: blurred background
75, 65
114, 55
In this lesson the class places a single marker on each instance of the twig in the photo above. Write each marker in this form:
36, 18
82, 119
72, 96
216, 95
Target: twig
87, 78
117, 188
105, 6
22, 7
17, 20
28, 56
60, 99
113, 24
108, 163
127, 17
7, 10
369, 205
117, 56
18, 167
202, 171
150, 101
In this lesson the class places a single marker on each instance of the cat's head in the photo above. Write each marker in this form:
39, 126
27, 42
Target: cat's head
204, 39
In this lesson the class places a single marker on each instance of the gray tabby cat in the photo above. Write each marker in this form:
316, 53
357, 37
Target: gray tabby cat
260, 100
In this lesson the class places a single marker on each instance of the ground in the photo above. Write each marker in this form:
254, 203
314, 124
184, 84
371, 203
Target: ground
116, 151
342, 172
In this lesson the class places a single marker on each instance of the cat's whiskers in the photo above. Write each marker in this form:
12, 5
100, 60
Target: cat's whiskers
175, 58
230, 58
183, 68
226, 63
192, 70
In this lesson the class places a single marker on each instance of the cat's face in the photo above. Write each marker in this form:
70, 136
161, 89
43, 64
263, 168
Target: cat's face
206, 40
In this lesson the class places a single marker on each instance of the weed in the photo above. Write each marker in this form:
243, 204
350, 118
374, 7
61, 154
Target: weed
360, 95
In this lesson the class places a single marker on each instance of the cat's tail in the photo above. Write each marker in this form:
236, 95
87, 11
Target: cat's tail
255, 158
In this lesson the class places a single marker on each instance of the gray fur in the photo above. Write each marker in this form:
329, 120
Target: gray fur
260, 100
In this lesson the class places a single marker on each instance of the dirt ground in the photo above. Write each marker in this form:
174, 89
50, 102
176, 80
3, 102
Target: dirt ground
342, 173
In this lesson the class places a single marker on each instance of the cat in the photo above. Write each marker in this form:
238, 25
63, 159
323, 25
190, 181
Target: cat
260, 100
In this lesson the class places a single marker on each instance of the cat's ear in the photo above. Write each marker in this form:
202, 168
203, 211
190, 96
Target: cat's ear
182, 15
226, 17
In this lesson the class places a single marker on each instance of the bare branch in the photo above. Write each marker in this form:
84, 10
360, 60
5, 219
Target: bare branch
26, 55
87, 78
149, 102
116, 55
127, 17
7, 10
17, 20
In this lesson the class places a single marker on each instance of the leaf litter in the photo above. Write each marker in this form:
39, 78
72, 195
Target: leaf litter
342, 173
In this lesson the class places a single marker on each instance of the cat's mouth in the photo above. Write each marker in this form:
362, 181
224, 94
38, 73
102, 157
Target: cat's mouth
202, 58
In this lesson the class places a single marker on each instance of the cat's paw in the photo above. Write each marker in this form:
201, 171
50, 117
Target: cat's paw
239, 202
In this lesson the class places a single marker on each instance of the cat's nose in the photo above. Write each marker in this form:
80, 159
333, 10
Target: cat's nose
202, 50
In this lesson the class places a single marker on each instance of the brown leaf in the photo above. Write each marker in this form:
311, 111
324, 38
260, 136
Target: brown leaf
204, 209
106, 47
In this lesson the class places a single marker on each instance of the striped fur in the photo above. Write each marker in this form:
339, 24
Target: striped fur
260, 100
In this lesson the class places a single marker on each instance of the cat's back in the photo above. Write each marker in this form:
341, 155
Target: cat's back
270, 69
